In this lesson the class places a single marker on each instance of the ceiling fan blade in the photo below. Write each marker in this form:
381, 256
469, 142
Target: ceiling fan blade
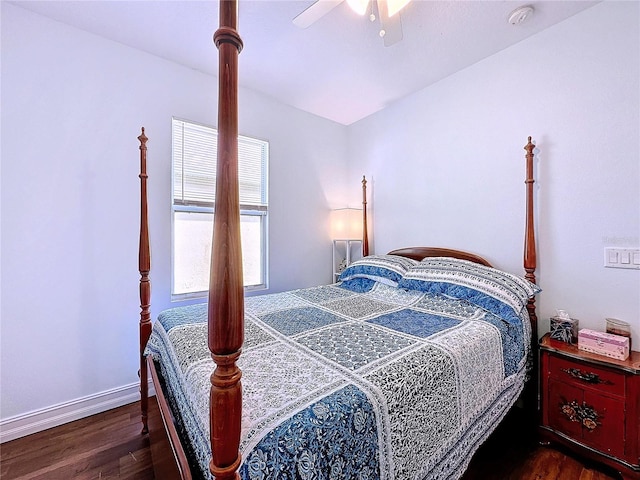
391, 26
316, 11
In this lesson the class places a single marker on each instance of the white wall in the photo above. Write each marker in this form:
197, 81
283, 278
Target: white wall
72, 107
447, 163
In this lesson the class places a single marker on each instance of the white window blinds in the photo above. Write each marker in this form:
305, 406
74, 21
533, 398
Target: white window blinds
194, 167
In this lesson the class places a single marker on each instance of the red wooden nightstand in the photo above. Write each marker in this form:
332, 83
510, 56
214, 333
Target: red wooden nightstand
591, 404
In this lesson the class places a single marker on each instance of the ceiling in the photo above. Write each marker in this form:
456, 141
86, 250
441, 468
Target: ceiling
338, 68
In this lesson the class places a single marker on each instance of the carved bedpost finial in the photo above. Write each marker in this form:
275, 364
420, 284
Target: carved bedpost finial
529, 147
143, 139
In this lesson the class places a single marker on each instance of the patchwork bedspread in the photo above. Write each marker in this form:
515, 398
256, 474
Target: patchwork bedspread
340, 383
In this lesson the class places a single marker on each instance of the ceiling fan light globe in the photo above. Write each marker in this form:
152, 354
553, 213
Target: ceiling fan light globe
394, 6
358, 6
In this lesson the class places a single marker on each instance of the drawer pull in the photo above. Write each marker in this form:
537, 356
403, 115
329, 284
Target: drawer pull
588, 377
584, 414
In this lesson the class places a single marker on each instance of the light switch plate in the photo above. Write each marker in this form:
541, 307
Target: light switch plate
622, 258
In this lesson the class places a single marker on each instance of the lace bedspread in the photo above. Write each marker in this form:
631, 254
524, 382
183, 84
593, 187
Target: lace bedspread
343, 384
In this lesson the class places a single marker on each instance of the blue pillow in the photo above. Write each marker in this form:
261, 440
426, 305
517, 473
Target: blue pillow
358, 285
387, 269
498, 292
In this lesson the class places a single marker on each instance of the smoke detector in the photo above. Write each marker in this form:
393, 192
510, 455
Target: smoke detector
520, 14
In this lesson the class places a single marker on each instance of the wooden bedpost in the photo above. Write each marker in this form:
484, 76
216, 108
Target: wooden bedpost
144, 266
530, 263
226, 288
530, 259
365, 229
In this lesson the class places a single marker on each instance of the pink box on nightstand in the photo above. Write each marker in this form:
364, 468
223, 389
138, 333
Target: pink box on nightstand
607, 344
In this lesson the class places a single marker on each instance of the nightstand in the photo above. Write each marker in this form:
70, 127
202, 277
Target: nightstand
591, 404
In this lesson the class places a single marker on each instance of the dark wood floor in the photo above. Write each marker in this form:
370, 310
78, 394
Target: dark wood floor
508, 456
104, 446
109, 446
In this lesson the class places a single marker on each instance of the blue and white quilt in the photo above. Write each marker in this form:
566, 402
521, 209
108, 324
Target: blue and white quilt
363, 379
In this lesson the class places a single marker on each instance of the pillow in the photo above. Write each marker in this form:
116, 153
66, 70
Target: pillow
387, 269
496, 291
358, 285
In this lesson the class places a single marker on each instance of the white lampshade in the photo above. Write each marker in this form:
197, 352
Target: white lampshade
346, 224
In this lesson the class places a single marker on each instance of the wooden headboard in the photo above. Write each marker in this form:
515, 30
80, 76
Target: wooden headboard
419, 253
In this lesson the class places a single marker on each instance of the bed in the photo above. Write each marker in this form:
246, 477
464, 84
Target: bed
400, 370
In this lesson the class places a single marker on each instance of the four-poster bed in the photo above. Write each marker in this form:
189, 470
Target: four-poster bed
375, 376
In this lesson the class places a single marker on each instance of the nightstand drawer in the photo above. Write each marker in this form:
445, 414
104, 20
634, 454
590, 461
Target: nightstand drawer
586, 375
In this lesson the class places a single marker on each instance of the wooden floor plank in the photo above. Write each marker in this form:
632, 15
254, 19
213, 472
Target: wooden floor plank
107, 445
110, 446
509, 455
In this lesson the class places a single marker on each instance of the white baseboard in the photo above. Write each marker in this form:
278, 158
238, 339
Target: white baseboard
38, 420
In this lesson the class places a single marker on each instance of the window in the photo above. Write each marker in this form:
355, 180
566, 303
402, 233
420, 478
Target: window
194, 185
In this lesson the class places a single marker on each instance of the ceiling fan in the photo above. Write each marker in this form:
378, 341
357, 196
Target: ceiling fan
388, 14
